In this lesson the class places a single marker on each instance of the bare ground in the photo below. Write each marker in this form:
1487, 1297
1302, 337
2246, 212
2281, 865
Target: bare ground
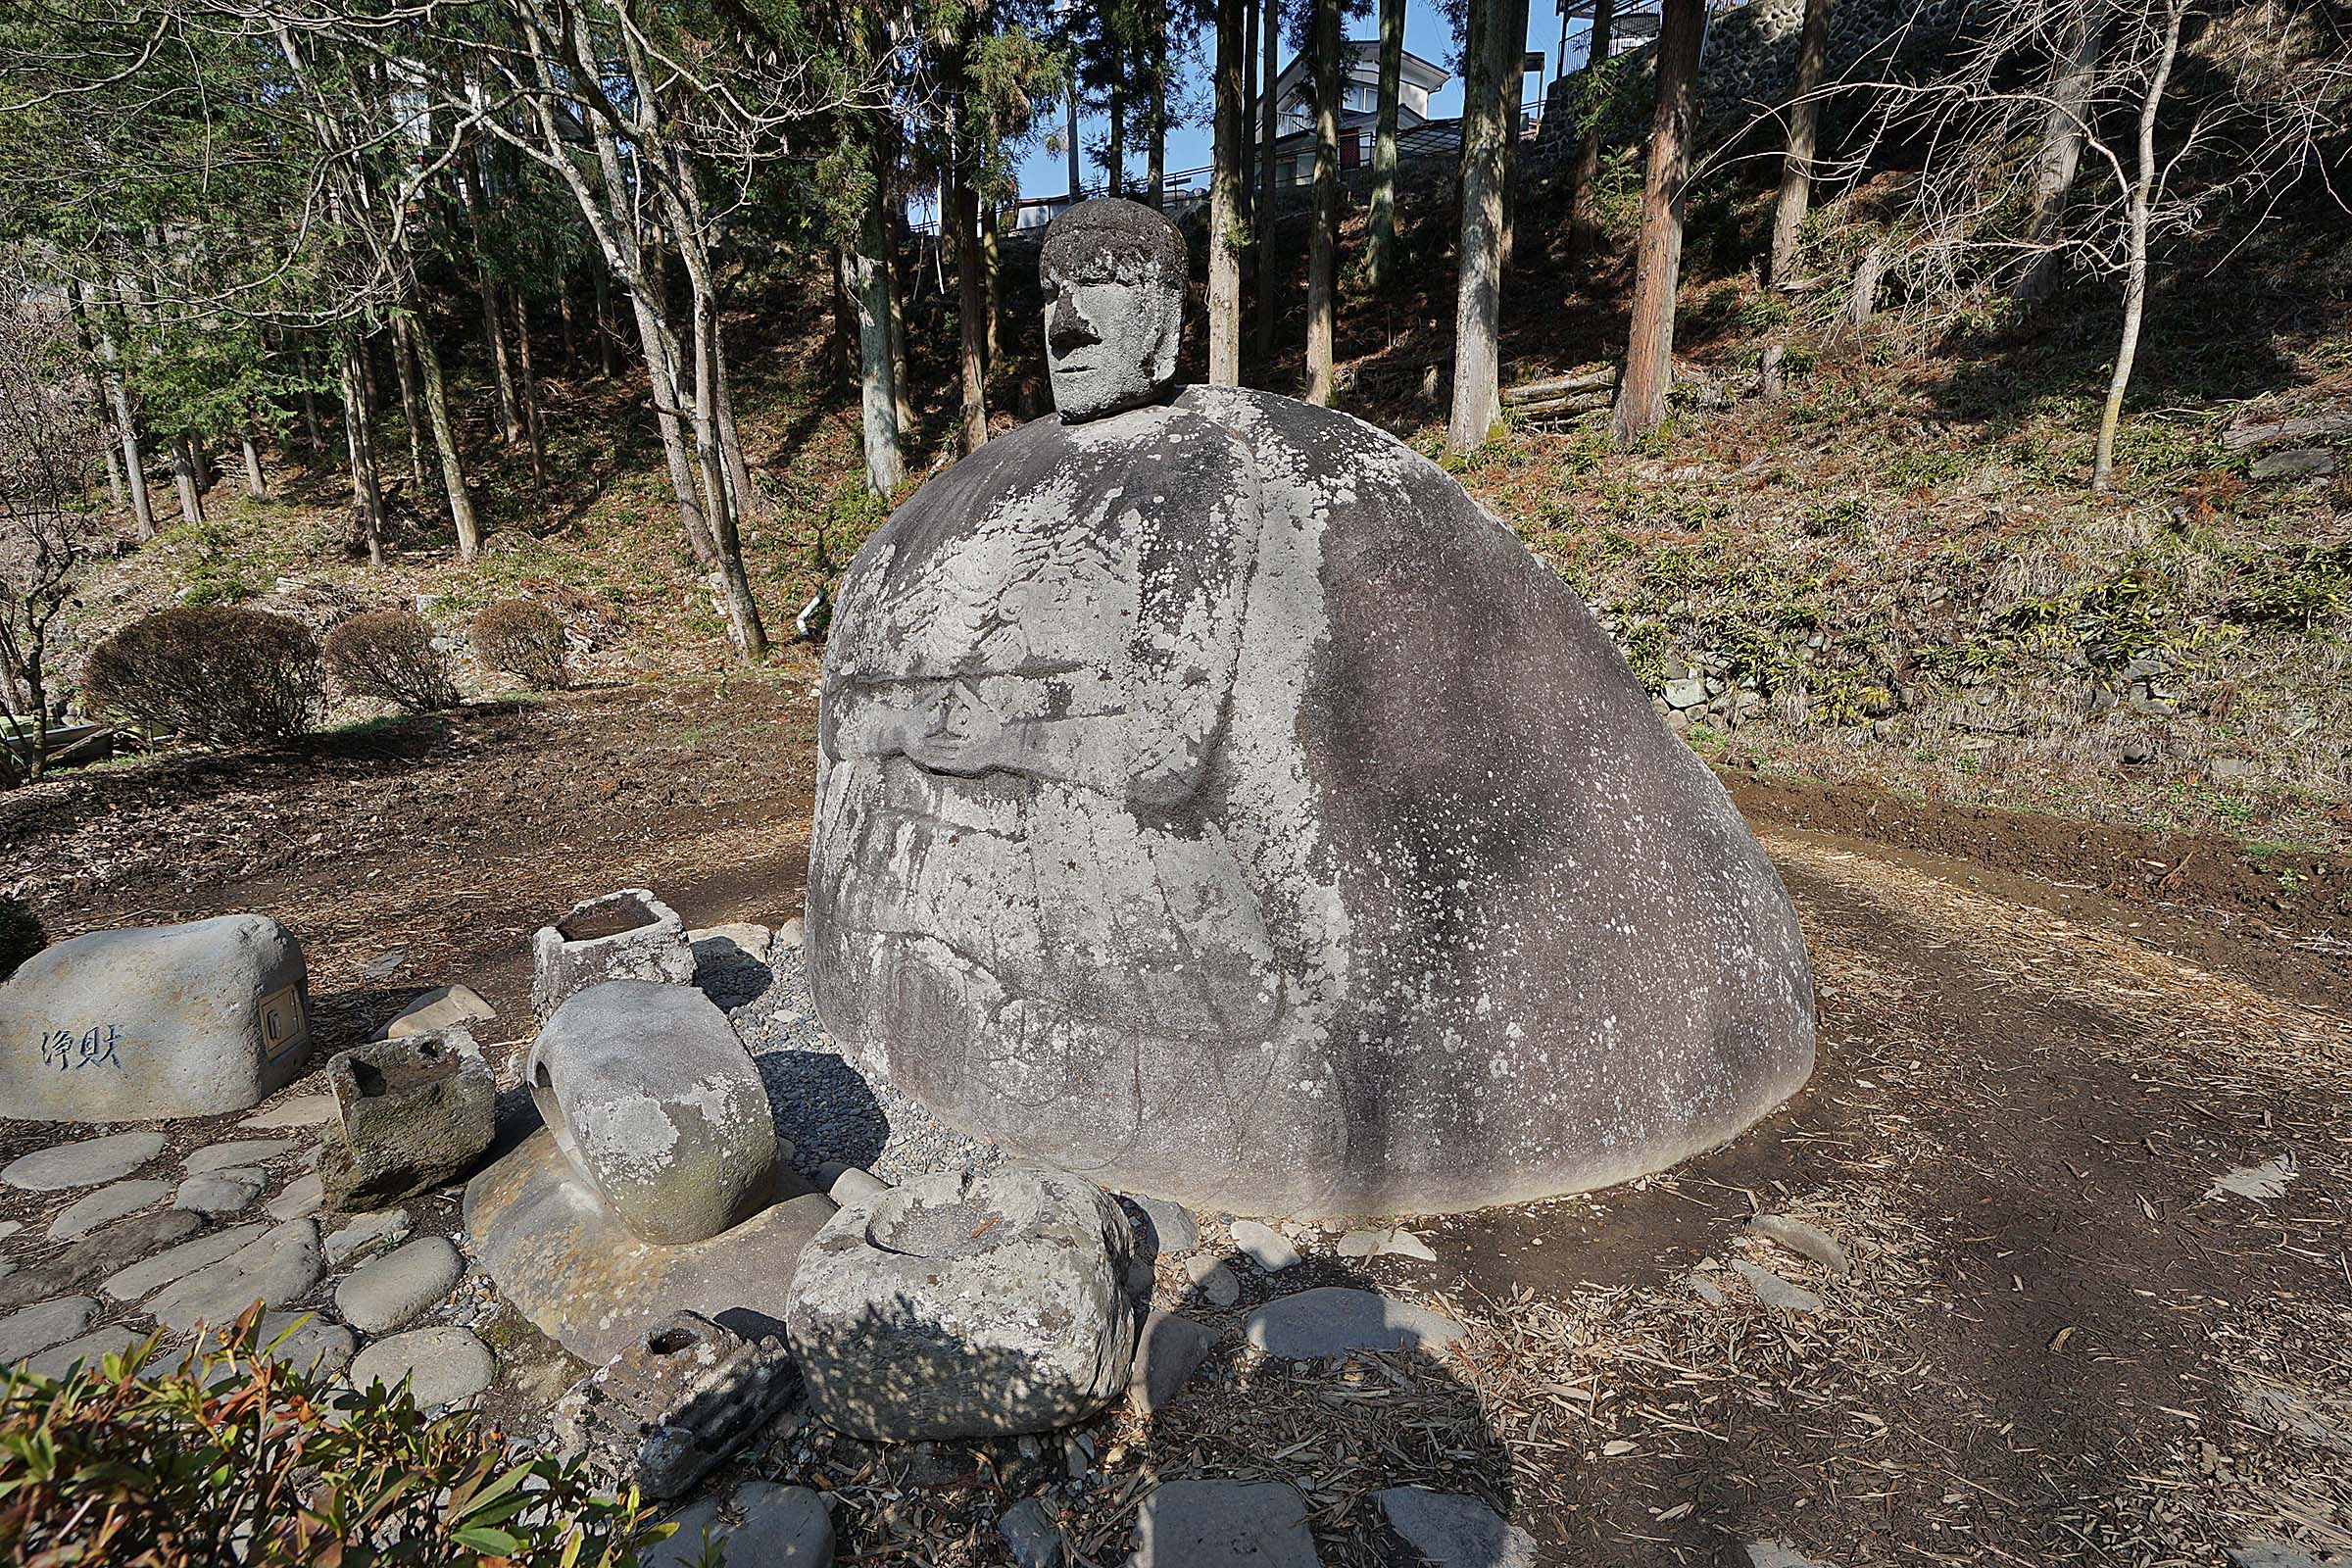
2043, 1044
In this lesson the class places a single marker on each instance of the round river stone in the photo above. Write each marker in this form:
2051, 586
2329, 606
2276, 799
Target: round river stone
85, 1163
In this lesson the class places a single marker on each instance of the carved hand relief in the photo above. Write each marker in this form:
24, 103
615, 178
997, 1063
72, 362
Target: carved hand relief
1020, 731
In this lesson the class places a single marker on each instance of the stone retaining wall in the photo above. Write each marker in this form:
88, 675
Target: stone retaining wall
1750, 60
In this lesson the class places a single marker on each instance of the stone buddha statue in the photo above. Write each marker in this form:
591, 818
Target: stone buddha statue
1213, 801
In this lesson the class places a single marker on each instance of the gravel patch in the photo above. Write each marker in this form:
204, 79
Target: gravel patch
834, 1107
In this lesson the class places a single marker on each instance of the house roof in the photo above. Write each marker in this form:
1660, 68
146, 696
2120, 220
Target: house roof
1361, 57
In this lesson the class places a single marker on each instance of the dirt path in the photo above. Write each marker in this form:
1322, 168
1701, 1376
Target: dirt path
2044, 1047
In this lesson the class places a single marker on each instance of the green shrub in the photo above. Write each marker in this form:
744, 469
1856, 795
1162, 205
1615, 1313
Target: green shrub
20, 936
210, 673
162, 1463
2299, 589
389, 655
524, 639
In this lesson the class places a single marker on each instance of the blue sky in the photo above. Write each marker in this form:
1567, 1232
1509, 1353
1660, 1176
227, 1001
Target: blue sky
1047, 173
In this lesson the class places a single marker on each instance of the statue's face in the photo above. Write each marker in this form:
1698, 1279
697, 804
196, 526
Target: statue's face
1111, 333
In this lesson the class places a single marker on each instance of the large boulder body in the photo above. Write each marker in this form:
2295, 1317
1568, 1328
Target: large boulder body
155, 1021
1214, 801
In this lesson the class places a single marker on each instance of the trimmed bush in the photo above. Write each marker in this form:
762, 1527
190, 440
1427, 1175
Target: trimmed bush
210, 673
20, 936
525, 639
389, 655
155, 1459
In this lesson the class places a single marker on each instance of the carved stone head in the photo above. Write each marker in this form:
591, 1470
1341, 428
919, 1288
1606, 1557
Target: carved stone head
1114, 275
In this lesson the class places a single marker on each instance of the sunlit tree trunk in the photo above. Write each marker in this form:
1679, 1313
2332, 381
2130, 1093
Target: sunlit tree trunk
1224, 202
359, 438
411, 417
126, 428
865, 278
1268, 266
2061, 155
1657, 263
1489, 111
184, 479
1323, 245
992, 274
1382, 260
445, 441
1804, 124
102, 410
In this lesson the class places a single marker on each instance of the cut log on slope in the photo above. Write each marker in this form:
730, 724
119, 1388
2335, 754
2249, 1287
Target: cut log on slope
2243, 437
1599, 376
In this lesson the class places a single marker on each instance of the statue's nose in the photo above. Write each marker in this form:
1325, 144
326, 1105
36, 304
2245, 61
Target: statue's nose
1068, 328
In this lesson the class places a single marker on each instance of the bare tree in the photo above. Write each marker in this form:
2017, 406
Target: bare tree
2061, 154
2049, 86
1657, 263
2138, 207
48, 463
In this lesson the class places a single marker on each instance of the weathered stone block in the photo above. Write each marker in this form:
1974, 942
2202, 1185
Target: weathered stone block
154, 1021
965, 1305
668, 1409
429, 1011
566, 1265
629, 934
658, 1108
414, 1112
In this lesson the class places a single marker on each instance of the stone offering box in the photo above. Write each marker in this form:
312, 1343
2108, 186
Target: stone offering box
668, 1409
417, 1111
627, 935
155, 1021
